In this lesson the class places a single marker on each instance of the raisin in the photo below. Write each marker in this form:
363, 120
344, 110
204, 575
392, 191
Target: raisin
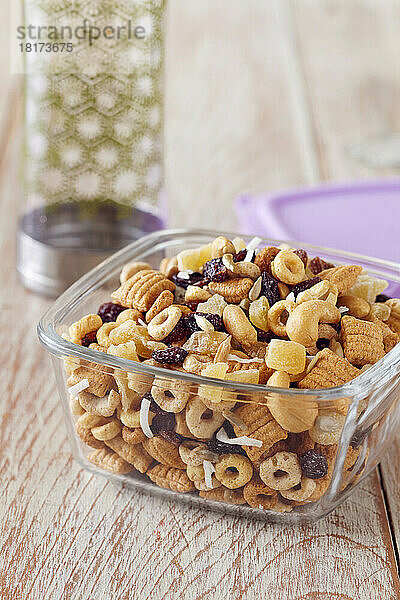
170, 356
269, 288
322, 343
293, 441
336, 326
184, 282
171, 436
179, 332
302, 254
215, 270
317, 264
382, 298
359, 436
304, 285
163, 421
192, 305
88, 339
215, 321
266, 336
241, 255
313, 464
223, 448
110, 311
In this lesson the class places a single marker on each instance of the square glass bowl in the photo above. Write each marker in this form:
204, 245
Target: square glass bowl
367, 408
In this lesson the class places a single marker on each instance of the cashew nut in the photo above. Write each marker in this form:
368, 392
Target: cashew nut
242, 268
220, 246
303, 321
238, 325
358, 307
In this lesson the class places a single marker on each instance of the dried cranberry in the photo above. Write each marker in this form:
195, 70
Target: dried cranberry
359, 436
317, 264
179, 332
164, 421
266, 336
171, 436
304, 285
302, 254
313, 464
184, 282
215, 321
215, 270
110, 311
88, 339
269, 288
170, 356
382, 298
223, 448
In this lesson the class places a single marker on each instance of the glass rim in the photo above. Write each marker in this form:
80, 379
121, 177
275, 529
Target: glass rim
62, 348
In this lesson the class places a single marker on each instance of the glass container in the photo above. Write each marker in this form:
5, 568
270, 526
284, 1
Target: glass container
369, 404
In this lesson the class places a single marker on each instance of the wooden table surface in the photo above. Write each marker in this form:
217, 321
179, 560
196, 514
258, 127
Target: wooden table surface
261, 94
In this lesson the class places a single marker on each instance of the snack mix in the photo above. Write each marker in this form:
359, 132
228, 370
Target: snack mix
266, 316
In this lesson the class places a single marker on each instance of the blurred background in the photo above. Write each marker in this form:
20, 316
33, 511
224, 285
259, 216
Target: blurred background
259, 96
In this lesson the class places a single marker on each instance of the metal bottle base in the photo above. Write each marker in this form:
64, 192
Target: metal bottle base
57, 245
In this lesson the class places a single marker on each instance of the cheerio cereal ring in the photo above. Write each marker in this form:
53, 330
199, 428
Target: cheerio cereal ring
301, 491
202, 421
233, 470
162, 324
288, 267
281, 471
170, 394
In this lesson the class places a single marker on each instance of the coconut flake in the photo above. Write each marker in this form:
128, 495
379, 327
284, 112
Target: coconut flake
203, 323
255, 290
185, 274
142, 323
291, 297
78, 387
244, 361
343, 309
234, 419
222, 436
208, 471
144, 418
253, 244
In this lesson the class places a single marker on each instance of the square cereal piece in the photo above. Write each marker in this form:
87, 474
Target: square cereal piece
390, 338
362, 341
328, 370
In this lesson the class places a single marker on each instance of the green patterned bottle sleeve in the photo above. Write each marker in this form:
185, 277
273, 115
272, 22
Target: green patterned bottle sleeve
94, 116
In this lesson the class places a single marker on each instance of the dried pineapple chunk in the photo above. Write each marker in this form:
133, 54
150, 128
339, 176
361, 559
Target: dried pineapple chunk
210, 393
195, 258
258, 313
368, 287
214, 305
286, 356
205, 342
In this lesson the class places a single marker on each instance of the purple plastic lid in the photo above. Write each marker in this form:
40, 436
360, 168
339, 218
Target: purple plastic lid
357, 217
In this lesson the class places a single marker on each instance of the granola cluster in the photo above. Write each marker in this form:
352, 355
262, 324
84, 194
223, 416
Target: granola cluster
242, 314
